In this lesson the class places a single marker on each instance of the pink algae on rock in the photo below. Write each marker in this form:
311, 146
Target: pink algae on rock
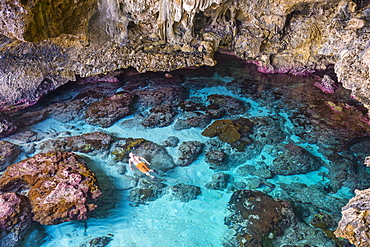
15, 218
105, 112
60, 186
13, 210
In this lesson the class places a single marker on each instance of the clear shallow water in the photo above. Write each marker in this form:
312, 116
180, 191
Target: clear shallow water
167, 222
163, 222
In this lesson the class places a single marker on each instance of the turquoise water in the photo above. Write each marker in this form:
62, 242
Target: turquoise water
167, 222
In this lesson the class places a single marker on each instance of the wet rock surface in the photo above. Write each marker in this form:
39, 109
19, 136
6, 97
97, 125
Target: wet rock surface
218, 182
15, 218
8, 153
159, 116
327, 84
147, 190
293, 159
188, 152
60, 186
354, 220
104, 113
7, 127
159, 158
184, 192
86, 143
257, 217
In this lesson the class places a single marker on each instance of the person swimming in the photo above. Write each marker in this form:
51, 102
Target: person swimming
141, 164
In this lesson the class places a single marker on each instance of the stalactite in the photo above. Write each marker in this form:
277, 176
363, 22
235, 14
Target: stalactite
115, 22
166, 21
183, 12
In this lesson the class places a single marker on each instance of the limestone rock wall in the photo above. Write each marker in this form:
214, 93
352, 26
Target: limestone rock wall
36, 20
45, 43
354, 224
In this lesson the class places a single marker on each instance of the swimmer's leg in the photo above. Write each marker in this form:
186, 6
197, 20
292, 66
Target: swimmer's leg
151, 170
148, 174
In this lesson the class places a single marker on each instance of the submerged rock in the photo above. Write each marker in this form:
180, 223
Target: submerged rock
303, 235
360, 147
317, 201
325, 222
192, 105
345, 170
25, 136
226, 130
98, 242
147, 190
162, 94
68, 111
86, 143
257, 218
154, 153
159, 116
104, 113
228, 104
188, 152
196, 120
216, 158
141, 195
218, 182
60, 187
171, 141
266, 130
293, 159
184, 192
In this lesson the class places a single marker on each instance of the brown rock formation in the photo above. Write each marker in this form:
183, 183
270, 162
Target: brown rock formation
37, 20
85, 143
60, 186
47, 43
104, 113
226, 129
256, 216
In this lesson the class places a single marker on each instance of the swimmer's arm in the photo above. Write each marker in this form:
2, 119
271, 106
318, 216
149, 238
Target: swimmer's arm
143, 159
130, 163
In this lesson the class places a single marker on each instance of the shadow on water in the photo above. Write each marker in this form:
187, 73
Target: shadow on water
37, 235
110, 194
